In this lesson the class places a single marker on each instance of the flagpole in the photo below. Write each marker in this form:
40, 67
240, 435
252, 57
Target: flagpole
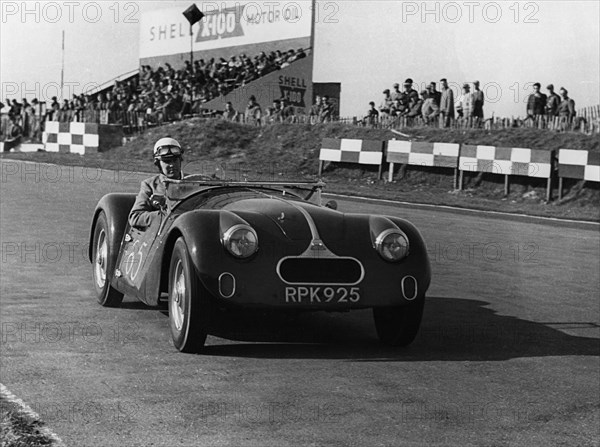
191, 48
312, 27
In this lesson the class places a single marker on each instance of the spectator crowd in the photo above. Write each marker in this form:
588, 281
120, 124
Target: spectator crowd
322, 111
157, 95
166, 94
439, 107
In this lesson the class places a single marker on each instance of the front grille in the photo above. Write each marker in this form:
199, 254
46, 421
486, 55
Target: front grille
320, 271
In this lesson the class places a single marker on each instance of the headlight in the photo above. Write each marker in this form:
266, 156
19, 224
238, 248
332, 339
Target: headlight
392, 245
241, 241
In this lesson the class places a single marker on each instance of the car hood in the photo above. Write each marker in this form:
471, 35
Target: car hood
294, 218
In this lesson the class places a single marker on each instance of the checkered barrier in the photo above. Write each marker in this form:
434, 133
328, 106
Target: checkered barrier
507, 161
579, 164
80, 138
443, 155
368, 152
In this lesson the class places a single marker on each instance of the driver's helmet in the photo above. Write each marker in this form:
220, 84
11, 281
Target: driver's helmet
166, 148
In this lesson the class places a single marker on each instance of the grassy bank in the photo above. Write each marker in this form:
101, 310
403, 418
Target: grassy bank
291, 152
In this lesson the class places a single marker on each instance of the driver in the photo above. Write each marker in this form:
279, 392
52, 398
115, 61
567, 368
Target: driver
167, 157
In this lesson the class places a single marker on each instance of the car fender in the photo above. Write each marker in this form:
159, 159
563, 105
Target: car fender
418, 248
198, 229
201, 230
116, 207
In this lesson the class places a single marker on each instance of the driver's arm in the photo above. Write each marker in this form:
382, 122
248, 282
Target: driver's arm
143, 212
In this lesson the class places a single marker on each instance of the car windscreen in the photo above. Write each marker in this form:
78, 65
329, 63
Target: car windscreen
220, 197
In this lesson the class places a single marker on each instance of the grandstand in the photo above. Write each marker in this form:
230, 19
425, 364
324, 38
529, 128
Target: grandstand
236, 34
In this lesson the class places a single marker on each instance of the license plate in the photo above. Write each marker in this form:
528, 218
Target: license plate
321, 294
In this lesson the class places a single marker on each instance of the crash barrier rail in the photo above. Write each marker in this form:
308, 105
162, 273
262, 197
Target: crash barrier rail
345, 150
80, 138
577, 164
507, 161
443, 155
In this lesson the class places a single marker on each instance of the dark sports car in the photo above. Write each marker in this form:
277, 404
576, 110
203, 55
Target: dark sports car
264, 245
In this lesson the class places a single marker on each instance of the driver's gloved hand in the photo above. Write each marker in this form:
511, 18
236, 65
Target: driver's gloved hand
158, 201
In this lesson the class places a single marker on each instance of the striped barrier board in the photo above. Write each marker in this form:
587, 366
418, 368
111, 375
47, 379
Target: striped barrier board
423, 154
507, 161
443, 155
368, 152
81, 138
579, 164
76, 138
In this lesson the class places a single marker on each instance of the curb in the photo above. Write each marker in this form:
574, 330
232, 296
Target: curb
24, 410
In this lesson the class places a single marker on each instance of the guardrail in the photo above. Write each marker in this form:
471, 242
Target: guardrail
506, 161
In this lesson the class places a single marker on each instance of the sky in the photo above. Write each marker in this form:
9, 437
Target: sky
365, 45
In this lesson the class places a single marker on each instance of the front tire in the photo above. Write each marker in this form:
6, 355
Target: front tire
103, 260
189, 306
398, 326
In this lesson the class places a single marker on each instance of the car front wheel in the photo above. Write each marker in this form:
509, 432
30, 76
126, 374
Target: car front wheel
188, 303
103, 259
398, 326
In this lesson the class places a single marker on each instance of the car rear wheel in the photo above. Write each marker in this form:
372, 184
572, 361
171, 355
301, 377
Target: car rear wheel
188, 302
398, 326
103, 259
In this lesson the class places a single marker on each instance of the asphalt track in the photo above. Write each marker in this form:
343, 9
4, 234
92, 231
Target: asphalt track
508, 353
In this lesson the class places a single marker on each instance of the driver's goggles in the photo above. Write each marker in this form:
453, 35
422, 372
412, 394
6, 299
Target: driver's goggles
165, 151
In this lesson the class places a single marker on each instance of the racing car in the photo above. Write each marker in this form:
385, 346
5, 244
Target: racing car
220, 245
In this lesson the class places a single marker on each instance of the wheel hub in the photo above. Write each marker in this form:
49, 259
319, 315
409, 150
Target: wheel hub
177, 310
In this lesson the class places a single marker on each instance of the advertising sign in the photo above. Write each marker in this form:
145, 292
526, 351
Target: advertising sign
166, 32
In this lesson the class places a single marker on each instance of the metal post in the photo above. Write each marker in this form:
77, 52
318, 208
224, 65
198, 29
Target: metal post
455, 178
560, 188
549, 189
460, 180
506, 189
191, 48
391, 173
320, 167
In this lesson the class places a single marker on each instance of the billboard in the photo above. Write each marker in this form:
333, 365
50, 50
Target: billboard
228, 28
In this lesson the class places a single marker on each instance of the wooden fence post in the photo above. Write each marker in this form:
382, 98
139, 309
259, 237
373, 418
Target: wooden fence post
560, 188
